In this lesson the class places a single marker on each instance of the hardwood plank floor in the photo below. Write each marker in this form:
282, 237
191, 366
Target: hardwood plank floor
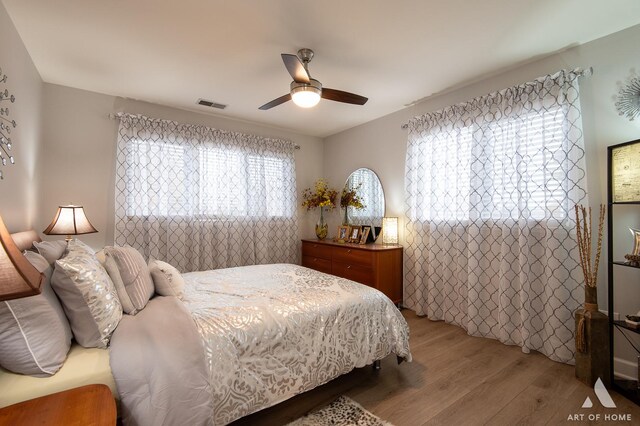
456, 379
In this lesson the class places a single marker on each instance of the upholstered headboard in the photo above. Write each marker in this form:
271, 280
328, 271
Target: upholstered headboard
24, 240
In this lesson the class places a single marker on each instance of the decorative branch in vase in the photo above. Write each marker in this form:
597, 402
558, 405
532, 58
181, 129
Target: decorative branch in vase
592, 326
323, 197
350, 198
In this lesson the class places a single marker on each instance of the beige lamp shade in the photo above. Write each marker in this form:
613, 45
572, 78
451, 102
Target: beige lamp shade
18, 278
70, 220
389, 230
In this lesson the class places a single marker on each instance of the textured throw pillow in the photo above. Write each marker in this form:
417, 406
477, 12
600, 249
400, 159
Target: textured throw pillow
34, 332
78, 245
135, 284
51, 250
114, 274
88, 297
167, 280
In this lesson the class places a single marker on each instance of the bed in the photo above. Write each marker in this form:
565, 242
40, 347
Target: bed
83, 365
240, 340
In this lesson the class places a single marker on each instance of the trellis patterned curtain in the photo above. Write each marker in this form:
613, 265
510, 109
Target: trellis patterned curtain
201, 198
491, 186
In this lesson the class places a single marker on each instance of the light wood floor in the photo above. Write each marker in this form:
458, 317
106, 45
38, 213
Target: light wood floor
456, 379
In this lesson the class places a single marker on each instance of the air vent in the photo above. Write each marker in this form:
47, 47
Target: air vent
210, 104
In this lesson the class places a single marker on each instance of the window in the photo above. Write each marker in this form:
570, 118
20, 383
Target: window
497, 170
202, 198
165, 179
491, 187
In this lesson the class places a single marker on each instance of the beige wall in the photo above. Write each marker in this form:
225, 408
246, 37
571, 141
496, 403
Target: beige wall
79, 153
18, 190
381, 144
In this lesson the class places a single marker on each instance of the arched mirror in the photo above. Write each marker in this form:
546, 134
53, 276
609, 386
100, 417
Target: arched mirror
368, 189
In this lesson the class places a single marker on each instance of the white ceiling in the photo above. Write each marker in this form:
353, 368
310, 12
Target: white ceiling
393, 52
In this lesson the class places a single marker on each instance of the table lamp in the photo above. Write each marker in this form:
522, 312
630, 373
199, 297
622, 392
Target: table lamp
389, 230
70, 220
18, 277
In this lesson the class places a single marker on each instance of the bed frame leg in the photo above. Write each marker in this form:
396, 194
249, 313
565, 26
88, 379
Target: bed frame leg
376, 365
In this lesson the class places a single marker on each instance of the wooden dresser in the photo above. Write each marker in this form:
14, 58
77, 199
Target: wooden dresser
90, 405
378, 266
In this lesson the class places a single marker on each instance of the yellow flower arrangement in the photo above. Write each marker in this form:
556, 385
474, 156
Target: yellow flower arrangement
321, 196
350, 198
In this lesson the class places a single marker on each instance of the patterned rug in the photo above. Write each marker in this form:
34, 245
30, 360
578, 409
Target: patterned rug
343, 411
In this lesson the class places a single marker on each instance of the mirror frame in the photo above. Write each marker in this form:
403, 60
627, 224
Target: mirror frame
378, 228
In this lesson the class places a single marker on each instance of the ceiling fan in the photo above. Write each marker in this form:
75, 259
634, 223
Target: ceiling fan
306, 91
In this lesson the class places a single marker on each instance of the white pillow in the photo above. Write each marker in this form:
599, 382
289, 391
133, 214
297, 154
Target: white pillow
167, 280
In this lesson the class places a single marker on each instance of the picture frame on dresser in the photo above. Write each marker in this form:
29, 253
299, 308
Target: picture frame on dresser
354, 234
364, 234
343, 233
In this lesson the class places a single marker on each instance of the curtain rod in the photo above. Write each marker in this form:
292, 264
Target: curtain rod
113, 116
587, 72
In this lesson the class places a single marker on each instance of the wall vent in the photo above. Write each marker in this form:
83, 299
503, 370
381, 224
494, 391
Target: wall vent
210, 104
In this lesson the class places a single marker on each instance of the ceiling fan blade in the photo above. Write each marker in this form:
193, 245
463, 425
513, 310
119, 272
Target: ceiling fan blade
277, 101
346, 97
295, 68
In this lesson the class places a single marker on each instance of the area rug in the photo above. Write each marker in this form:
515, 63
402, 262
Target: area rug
343, 411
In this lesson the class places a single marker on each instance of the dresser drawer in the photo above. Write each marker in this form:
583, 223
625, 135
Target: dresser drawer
352, 256
316, 250
322, 265
353, 272
377, 266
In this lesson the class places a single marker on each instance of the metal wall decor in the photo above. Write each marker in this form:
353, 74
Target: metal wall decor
634, 257
628, 98
6, 125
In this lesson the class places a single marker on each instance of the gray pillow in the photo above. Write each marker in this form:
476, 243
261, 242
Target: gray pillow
167, 280
51, 250
88, 297
114, 274
34, 332
112, 269
136, 283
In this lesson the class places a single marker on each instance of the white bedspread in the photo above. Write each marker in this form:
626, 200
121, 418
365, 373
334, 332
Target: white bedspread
273, 331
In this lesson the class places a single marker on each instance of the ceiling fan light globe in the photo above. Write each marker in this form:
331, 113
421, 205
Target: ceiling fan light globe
306, 96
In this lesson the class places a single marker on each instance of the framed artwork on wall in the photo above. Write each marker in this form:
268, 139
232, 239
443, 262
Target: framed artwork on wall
625, 172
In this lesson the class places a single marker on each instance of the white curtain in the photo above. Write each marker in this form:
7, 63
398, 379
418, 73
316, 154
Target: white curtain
201, 198
491, 185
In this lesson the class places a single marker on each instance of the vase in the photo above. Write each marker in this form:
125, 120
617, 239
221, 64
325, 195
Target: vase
592, 341
345, 221
322, 228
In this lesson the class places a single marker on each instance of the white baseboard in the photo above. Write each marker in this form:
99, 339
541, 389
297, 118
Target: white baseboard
616, 315
625, 369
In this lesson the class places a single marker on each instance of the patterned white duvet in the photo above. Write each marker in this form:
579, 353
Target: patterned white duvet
273, 331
